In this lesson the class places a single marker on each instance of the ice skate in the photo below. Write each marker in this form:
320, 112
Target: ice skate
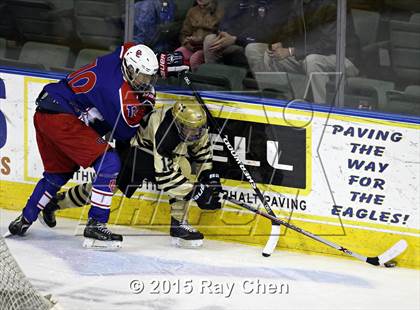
19, 226
47, 216
99, 237
184, 235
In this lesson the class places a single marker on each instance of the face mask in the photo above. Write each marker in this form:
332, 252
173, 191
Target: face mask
143, 82
188, 134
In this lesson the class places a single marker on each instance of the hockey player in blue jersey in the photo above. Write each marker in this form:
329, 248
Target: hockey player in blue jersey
110, 95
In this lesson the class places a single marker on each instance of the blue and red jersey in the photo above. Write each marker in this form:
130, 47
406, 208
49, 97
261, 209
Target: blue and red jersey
101, 85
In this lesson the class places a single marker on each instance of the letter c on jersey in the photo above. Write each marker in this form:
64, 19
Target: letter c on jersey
3, 125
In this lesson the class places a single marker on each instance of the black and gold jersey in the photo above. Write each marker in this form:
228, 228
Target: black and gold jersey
159, 137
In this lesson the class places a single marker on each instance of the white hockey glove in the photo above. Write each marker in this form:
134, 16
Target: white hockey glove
90, 115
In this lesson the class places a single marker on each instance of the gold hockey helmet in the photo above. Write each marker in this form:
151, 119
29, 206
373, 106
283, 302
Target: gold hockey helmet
190, 120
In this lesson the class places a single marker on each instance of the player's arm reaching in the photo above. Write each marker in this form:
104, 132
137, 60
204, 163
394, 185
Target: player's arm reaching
201, 155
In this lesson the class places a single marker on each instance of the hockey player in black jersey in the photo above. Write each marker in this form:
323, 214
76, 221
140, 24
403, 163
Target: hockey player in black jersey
158, 151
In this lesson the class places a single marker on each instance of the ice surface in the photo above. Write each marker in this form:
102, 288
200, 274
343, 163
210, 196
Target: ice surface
218, 276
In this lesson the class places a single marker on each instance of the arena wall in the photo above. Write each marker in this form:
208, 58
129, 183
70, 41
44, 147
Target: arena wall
349, 176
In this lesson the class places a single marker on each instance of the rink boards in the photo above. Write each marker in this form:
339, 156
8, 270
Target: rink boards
352, 179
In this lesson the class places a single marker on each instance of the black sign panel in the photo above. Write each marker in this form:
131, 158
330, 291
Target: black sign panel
274, 154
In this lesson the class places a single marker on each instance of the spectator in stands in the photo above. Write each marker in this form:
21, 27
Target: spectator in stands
201, 20
244, 22
149, 16
308, 45
255, 50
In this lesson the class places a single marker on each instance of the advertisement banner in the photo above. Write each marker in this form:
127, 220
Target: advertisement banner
336, 174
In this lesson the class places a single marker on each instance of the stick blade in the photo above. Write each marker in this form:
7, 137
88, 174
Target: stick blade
389, 254
393, 252
272, 241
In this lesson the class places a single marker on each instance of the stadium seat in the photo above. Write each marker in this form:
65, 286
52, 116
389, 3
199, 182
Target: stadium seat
405, 51
253, 88
87, 55
84, 57
364, 20
2, 47
38, 20
44, 54
218, 77
415, 18
7, 27
404, 5
406, 102
99, 24
280, 85
374, 43
274, 84
362, 93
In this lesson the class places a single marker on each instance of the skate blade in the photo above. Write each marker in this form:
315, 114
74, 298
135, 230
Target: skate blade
7, 234
186, 244
101, 245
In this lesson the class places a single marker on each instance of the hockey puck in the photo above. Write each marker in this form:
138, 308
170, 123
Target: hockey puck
266, 254
390, 264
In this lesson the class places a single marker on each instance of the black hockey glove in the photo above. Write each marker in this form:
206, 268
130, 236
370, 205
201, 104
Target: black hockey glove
204, 197
147, 100
171, 64
212, 179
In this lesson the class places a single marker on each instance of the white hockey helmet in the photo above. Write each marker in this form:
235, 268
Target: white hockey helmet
140, 66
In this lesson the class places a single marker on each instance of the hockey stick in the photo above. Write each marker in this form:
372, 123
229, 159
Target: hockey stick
381, 260
275, 228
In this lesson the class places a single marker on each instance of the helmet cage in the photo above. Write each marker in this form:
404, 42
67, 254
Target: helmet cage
190, 134
138, 81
